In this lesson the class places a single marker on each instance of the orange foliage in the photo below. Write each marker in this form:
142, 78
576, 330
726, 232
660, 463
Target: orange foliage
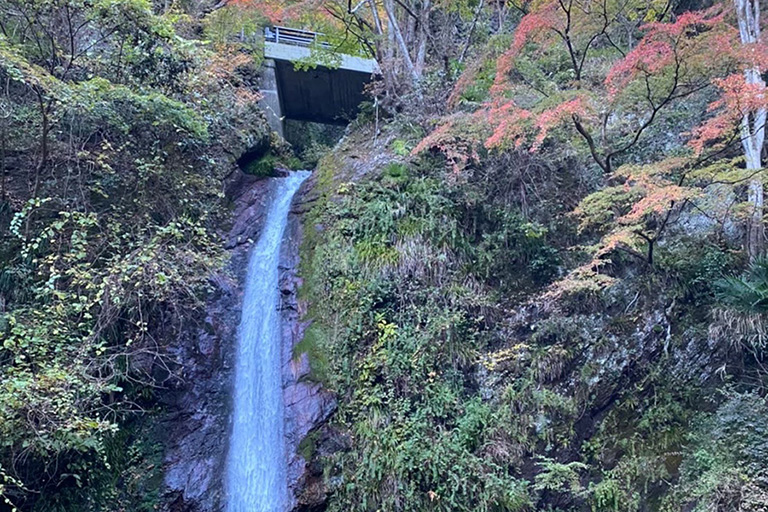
657, 201
221, 75
690, 49
510, 124
581, 281
456, 139
738, 99
657, 187
673, 60
533, 27
554, 117
667, 43
464, 81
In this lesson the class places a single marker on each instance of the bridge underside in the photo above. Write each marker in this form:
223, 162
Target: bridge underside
320, 95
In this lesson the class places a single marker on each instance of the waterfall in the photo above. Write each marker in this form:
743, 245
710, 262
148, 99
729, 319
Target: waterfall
256, 465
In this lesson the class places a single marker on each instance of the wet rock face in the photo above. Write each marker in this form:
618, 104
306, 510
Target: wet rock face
199, 410
197, 424
307, 405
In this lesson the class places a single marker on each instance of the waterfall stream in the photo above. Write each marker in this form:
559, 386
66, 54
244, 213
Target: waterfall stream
256, 465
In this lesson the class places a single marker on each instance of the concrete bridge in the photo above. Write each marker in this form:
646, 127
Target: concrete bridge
323, 94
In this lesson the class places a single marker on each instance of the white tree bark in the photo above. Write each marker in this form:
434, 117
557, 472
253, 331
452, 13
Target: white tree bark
753, 131
383, 50
376, 18
394, 27
423, 37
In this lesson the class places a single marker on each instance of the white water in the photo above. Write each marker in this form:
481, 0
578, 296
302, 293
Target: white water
256, 466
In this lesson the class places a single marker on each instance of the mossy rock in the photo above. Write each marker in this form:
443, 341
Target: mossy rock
308, 445
263, 167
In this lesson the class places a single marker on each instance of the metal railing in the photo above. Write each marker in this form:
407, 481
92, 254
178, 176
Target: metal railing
292, 36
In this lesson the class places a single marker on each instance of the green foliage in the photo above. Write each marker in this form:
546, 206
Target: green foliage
747, 293
232, 24
312, 346
695, 267
465, 381
124, 131
514, 243
308, 445
400, 148
397, 172
740, 319
608, 496
127, 475
98, 101
555, 476
311, 141
401, 269
263, 167
430, 279
396, 350
724, 465
600, 209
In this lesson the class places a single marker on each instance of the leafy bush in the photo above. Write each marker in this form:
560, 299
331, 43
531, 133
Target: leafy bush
263, 167
694, 268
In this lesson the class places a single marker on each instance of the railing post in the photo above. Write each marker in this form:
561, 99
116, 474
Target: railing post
295, 37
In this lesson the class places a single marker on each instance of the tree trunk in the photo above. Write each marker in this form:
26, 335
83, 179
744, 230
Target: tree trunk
423, 37
753, 131
3, 147
394, 27
383, 50
4, 150
464, 50
755, 226
44, 131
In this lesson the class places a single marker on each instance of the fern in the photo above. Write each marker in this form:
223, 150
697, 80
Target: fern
747, 294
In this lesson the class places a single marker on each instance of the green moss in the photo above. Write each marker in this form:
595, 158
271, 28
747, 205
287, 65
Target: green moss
263, 167
323, 186
396, 172
308, 445
324, 178
266, 166
401, 147
295, 163
312, 346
